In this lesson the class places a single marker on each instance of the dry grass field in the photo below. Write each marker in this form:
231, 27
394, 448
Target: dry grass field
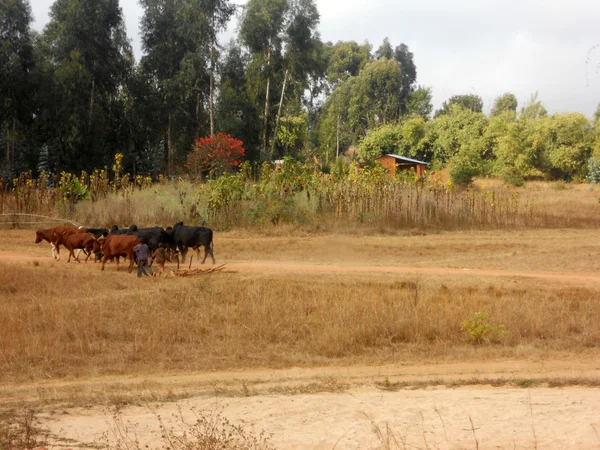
74, 336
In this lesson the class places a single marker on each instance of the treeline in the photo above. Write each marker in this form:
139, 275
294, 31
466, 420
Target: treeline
514, 145
73, 96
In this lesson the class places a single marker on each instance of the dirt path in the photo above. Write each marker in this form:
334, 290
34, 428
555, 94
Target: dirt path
274, 267
348, 417
365, 418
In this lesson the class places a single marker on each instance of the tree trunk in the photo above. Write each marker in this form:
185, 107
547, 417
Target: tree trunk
337, 138
170, 149
212, 85
274, 140
265, 155
91, 104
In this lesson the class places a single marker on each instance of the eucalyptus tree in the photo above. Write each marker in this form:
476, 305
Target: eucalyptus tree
301, 60
86, 52
218, 14
174, 37
16, 66
235, 111
261, 31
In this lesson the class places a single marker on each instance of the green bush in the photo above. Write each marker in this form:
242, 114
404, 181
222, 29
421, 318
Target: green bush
479, 330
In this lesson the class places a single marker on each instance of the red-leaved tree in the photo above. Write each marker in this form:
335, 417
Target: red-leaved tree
219, 153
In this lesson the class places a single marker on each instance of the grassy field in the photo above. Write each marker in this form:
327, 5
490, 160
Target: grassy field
73, 321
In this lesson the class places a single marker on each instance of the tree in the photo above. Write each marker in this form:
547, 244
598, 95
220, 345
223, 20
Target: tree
219, 13
261, 29
177, 42
86, 59
597, 114
471, 102
385, 50
219, 154
300, 60
419, 103
506, 102
236, 113
346, 60
409, 75
16, 65
534, 109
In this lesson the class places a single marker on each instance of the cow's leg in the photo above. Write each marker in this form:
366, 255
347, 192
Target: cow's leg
131, 261
78, 253
53, 250
104, 261
205, 253
212, 255
183, 250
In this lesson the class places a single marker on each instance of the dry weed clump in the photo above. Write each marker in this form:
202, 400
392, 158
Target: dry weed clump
193, 429
18, 431
88, 323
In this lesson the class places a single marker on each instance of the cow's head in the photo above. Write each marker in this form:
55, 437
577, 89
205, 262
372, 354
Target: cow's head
60, 237
178, 224
114, 228
39, 236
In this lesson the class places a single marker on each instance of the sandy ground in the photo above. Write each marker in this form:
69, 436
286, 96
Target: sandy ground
365, 418
363, 415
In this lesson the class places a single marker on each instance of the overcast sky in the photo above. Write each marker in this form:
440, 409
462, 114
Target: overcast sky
485, 47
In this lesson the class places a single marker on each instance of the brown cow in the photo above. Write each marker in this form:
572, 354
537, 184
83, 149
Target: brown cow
81, 241
51, 235
115, 246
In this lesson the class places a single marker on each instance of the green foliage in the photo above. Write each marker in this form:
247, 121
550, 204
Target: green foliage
533, 109
471, 102
346, 60
405, 138
504, 103
593, 175
479, 330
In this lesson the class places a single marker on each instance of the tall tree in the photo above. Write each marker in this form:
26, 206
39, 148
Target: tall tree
261, 30
16, 65
89, 56
597, 114
506, 102
534, 109
236, 113
385, 50
174, 36
471, 102
219, 13
346, 60
301, 62
419, 102
405, 59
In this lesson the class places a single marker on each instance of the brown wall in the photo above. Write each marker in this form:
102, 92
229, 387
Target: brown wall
392, 166
388, 163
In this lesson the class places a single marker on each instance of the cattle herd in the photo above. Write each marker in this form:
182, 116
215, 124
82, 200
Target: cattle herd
108, 245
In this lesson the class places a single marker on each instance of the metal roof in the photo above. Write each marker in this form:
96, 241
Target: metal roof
404, 158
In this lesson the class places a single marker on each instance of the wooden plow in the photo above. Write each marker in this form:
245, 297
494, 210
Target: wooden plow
192, 272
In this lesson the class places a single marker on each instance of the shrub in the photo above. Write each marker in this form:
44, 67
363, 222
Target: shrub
217, 154
479, 330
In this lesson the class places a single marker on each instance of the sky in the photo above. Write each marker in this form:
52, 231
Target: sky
483, 47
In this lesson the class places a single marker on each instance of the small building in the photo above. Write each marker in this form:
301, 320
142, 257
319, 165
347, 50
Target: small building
393, 163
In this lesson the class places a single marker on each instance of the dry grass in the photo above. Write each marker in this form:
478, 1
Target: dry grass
72, 320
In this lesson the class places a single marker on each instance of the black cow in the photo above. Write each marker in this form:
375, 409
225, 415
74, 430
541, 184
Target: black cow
183, 237
97, 232
153, 237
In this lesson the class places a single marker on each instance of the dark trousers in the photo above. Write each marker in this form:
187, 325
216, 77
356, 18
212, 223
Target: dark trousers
143, 267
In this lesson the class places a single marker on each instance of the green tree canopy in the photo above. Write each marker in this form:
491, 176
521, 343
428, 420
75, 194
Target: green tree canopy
506, 102
471, 102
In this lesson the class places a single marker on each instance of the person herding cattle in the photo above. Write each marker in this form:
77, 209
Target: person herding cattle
142, 253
